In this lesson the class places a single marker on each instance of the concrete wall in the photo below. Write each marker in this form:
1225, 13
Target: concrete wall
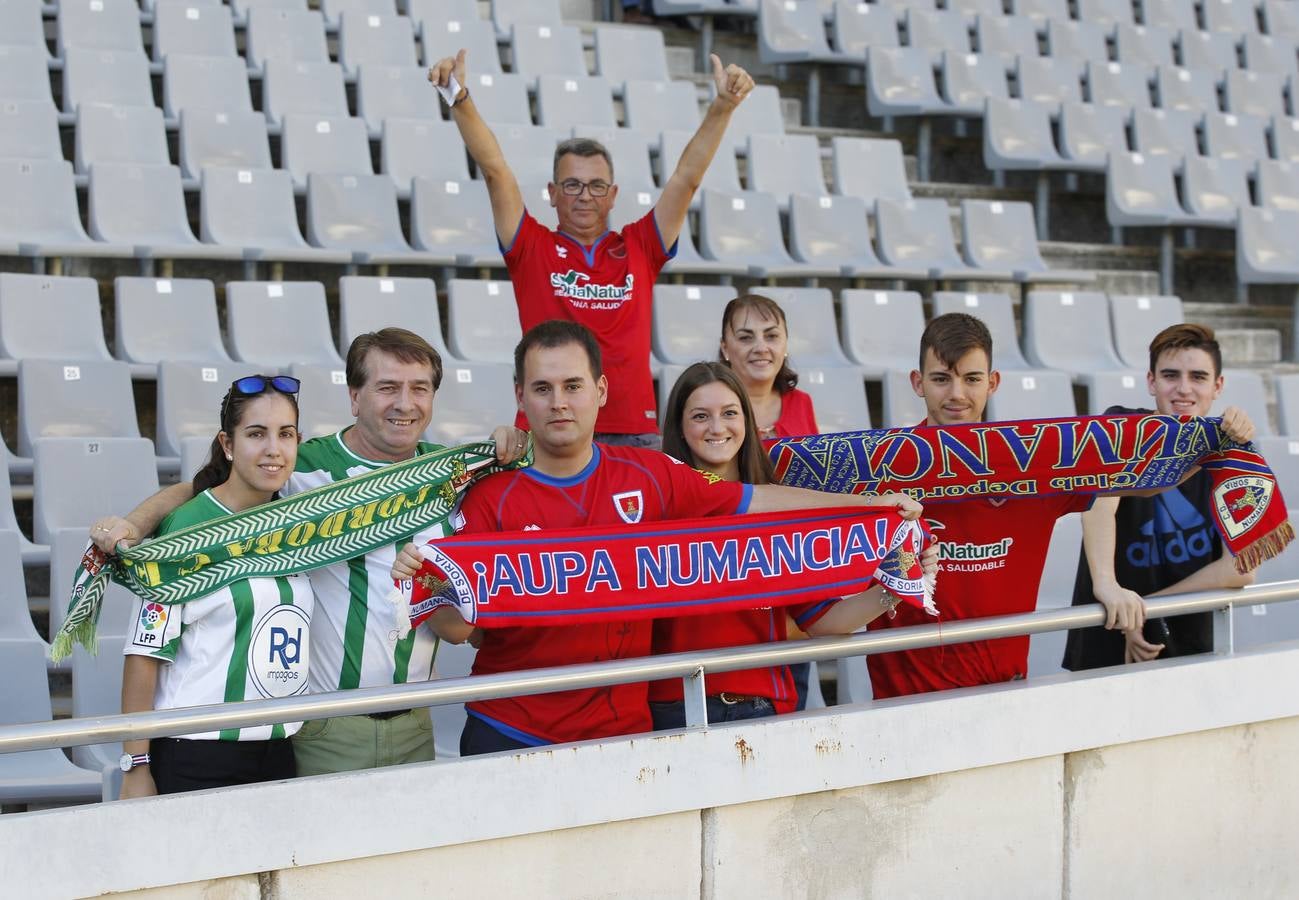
1170, 780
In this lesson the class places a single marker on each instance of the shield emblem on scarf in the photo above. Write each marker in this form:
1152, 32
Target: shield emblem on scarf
1241, 501
630, 506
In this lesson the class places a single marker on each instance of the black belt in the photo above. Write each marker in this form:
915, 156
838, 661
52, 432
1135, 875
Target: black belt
387, 714
731, 699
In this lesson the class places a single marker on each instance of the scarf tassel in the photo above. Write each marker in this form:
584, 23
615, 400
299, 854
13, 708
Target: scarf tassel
1265, 548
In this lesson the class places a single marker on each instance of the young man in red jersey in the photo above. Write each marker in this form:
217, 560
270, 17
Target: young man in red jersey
575, 482
992, 550
583, 271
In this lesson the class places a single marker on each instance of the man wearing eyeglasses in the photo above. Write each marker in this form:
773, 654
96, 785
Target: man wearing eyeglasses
582, 271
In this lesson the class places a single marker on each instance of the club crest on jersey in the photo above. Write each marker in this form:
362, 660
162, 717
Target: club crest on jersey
561, 251
630, 506
1241, 502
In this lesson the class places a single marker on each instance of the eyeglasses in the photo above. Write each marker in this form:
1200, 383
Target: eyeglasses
573, 188
252, 385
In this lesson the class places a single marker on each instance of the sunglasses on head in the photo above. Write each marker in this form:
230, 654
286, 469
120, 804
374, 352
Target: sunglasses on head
252, 385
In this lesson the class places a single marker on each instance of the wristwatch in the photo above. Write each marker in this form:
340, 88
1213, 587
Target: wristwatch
129, 762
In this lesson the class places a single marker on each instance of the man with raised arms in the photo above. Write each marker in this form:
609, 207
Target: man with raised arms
583, 271
574, 482
992, 550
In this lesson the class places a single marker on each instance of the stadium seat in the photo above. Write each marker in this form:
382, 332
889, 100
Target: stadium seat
381, 40
1235, 137
1136, 319
1266, 252
29, 129
113, 77
454, 218
1031, 395
1070, 332
40, 216
1084, 40
656, 106
1287, 405
143, 207
1281, 18
969, 80
474, 399
1115, 84
744, 229
632, 205
688, 322
22, 25
1191, 90
1089, 134
998, 314
997, 234
1049, 81
24, 74
1055, 591
1041, 9
173, 319
334, 10
688, 259
15, 617
253, 211
838, 397
313, 144
367, 303
1270, 53
1278, 185
287, 35
120, 134
279, 323
395, 92
97, 688
358, 213
305, 88
918, 235
242, 8
482, 320
421, 148
231, 140
1165, 132
438, 11
1172, 14
631, 157
1105, 13
833, 232
1214, 189
1006, 37
869, 169
1144, 45
813, 337
1255, 94
501, 99
1233, 17
530, 151
184, 29
565, 102
856, 26
1285, 139
73, 399
447, 37
1140, 191
721, 174
506, 14
216, 84
937, 31
324, 404
785, 164
1245, 388
900, 82
1017, 135
794, 33
973, 9
189, 400
630, 54
99, 25
108, 490
1106, 389
547, 50
47, 317
902, 408
758, 114
881, 329
1210, 52
194, 452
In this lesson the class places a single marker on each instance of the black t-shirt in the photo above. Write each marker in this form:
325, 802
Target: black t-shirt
1159, 541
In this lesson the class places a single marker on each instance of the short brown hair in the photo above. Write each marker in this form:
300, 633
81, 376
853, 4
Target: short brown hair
953, 335
407, 346
584, 147
558, 333
1187, 336
764, 306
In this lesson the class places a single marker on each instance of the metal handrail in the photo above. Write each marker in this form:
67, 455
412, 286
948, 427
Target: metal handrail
691, 667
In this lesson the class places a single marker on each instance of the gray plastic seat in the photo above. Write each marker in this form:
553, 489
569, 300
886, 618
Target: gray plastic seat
77, 398
1106, 13
40, 216
1255, 93
22, 24
1226, 15
446, 37
284, 34
969, 80
721, 174
1055, 591
1089, 134
193, 30
1211, 52
394, 92
113, 77
1006, 37
900, 82
68, 544
547, 50
1281, 18
1270, 53
367, 303
253, 211
1002, 235
794, 33
97, 687
1049, 81
1214, 189
501, 99
313, 144
232, 140
1169, 13
1136, 320
785, 164
474, 399
758, 114
937, 31
1191, 90
996, 312
189, 402
565, 101
24, 74
688, 260
218, 84
306, 88
358, 213
1140, 191
381, 40
1041, 9
918, 235
279, 323
631, 156
1244, 388
1266, 252
1285, 138
1287, 405
529, 150
1082, 40
630, 54
1069, 331
744, 229
833, 232
688, 321
881, 329
1115, 84
1235, 136
454, 218
869, 168
77, 480
325, 406
814, 337
242, 8
1032, 395
173, 319
1106, 389
120, 134
144, 207
973, 9
901, 407
47, 317
1165, 132
1017, 135
335, 10
838, 396
506, 14
99, 25
29, 129
482, 320
15, 617
1144, 45
856, 26
421, 148
1278, 185
656, 106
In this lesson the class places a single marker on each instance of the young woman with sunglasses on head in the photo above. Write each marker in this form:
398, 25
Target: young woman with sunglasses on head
246, 641
709, 424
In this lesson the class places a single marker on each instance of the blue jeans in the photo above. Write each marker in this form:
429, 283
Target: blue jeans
672, 714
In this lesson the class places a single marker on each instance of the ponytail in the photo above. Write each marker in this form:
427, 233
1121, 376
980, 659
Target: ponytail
215, 471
